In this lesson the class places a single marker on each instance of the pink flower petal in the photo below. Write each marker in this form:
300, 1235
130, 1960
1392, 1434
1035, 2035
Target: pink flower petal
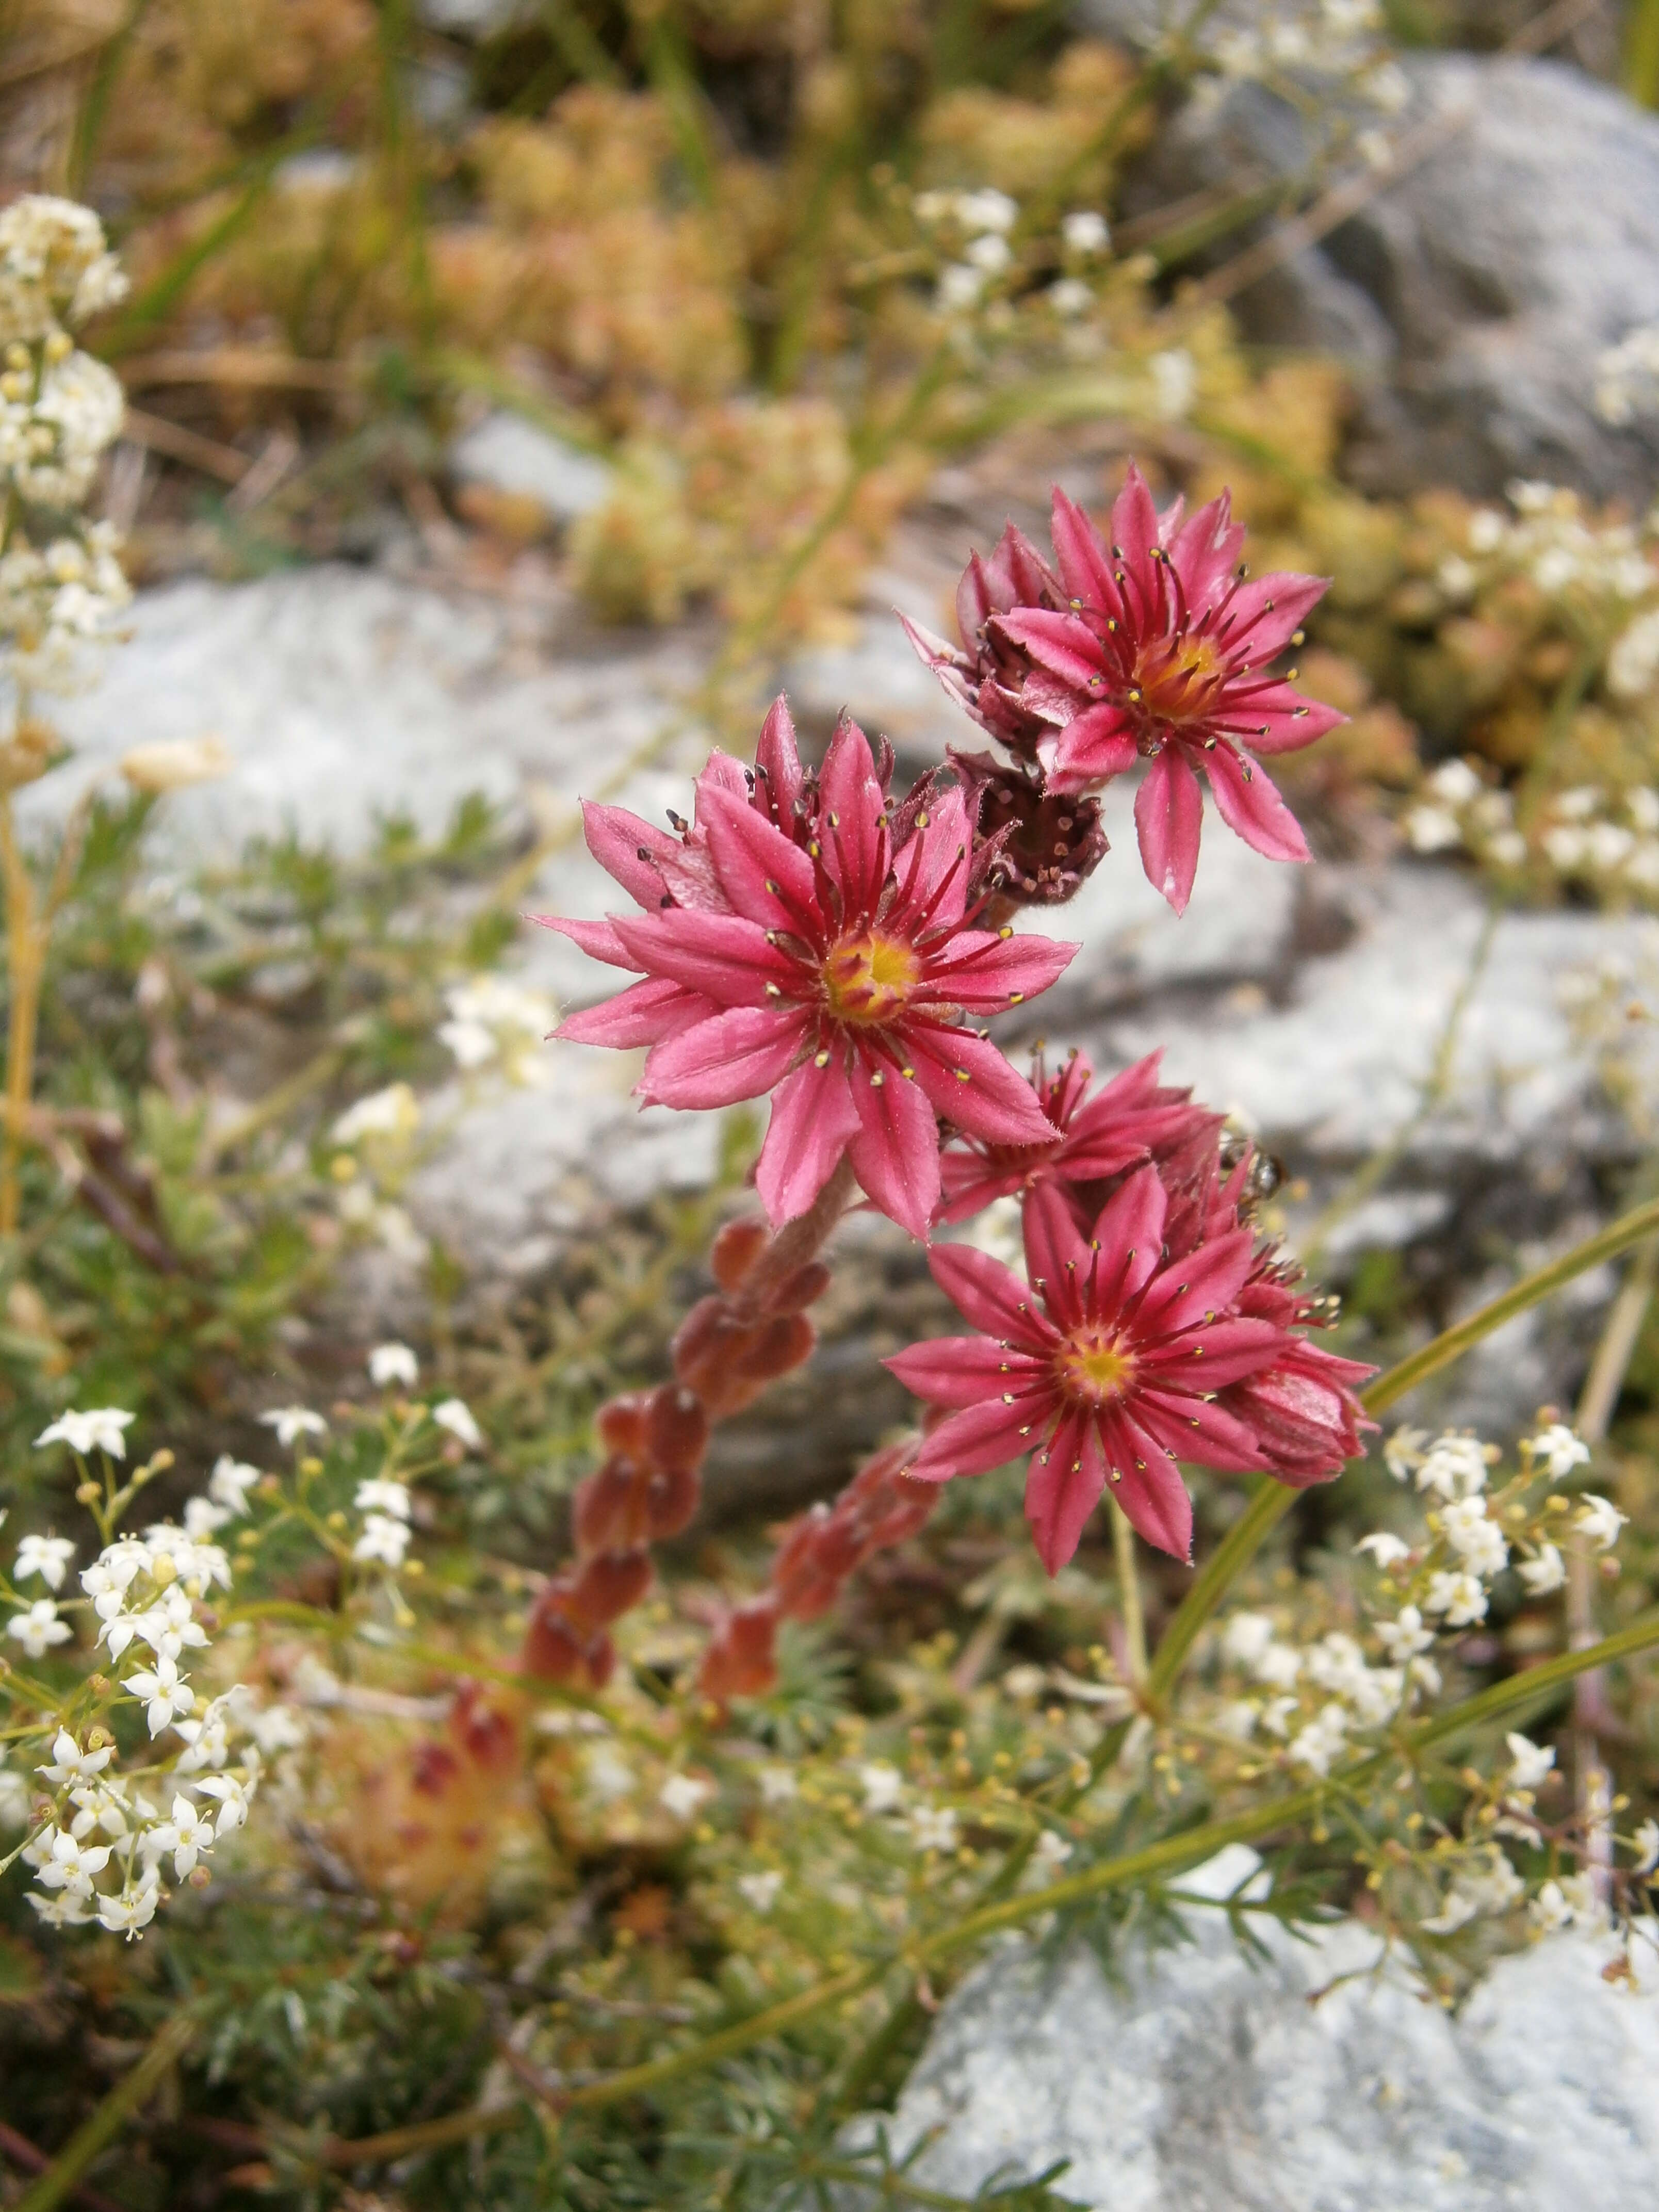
981, 1437
1278, 719
990, 1296
1084, 558
932, 868
1204, 551
971, 1083
984, 973
966, 1370
777, 761
1063, 1488
1135, 528
1057, 1259
1130, 1235
599, 939
1267, 612
850, 805
719, 954
736, 1055
645, 1013
1064, 644
765, 875
1193, 1429
813, 1122
1205, 1282
1169, 816
1248, 802
1149, 1488
1209, 1358
1092, 748
617, 839
896, 1152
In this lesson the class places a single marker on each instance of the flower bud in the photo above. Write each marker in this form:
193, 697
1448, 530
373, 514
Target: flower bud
671, 1500
740, 1661
607, 1508
676, 1432
607, 1586
802, 1289
621, 1423
552, 1650
736, 1249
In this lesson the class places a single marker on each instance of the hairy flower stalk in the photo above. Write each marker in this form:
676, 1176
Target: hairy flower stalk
1155, 648
818, 1553
806, 937
754, 1329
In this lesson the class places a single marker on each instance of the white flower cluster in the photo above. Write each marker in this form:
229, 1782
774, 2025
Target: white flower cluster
100, 1841
494, 1021
1460, 812
1547, 539
1309, 1697
1321, 39
1590, 835
980, 223
60, 583
1627, 377
381, 1129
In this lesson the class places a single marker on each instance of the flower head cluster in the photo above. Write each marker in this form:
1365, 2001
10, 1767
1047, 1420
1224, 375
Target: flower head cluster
808, 937
494, 1021
59, 412
1153, 1332
1154, 649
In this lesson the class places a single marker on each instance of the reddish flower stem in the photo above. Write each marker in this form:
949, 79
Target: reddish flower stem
732, 1344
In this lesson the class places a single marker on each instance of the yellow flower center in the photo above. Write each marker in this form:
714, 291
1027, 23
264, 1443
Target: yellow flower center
1177, 684
1095, 1366
868, 978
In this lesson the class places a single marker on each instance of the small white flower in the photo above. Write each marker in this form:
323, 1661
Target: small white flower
1529, 1762
383, 1538
292, 1422
39, 1628
112, 1574
1556, 1452
1646, 1840
1548, 1572
683, 1794
14, 1799
1406, 1635
987, 210
1384, 1549
187, 1835
1051, 1852
1322, 1741
456, 1416
1458, 1595
207, 1742
98, 1429
1279, 1665
1237, 1718
1550, 1911
230, 1482
202, 1518
1456, 782
933, 1828
393, 1362
1453, 1467
1245, 1637
377, 1497
991, 253
65, 1862
166, 1694
1599, 1519
1432, 830
45, 1556
777, 1785
884, 1786
275, 1729
960, 285
393, 1112
1069, 296
760, 1891
232, 1795
1476, 1539
132, 1908
71, 1764
1085, 232
65, 1909
1402, 1455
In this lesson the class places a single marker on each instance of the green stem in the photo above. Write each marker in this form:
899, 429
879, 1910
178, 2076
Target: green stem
1128, 1589
1169, 1855
97, 2132
1272, 1500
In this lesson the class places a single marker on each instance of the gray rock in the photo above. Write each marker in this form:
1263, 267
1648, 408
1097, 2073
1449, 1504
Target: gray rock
1198, 2081
1473, 292
504, 452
